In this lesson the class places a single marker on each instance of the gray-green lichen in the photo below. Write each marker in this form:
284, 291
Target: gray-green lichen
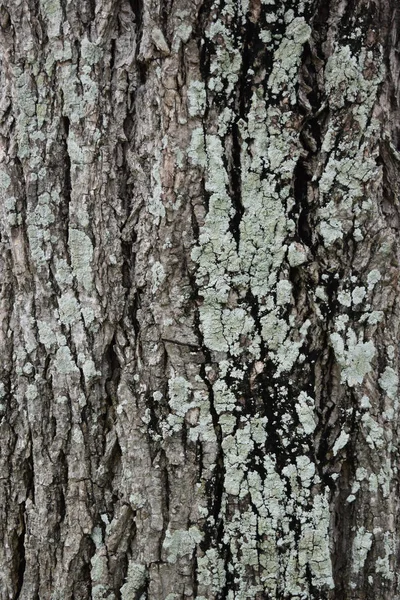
361, 546
354, 356
305, 409
389, 382
340, 442
197, 98
343, 181
68, 308
180, 542
135, 580
252, 262
81, 250
287, 57
63, 361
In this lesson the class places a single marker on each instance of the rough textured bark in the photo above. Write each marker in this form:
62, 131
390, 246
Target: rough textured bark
199, 299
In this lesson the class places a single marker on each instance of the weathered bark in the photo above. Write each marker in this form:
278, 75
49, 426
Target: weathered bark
199, 299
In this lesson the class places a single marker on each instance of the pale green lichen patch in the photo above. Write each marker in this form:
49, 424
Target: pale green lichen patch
283, 292
355, 357
287, 57
242, 267
63, 273
47, 337
180, 542
81, 250
135, 580
197, 98
305, 409
196, 151
63, 361
384, 564
345, 81
211, 572
361, 546
340, 442
5, 180
296, 255
89, 368
228, 59
179, 390
373, 277
353, 79
52, 11
374, 432
91, 53
68, 308
358, 295
158, 276
344, 298
389, 382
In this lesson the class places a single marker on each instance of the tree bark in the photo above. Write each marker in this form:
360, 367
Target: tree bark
199, 299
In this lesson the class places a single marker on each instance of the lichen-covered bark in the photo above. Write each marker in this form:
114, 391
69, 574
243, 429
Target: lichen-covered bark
199, 300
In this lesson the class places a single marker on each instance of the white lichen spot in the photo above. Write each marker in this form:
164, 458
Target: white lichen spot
297, 254
365, 403
340, 442
383, 564
63, 361
197, 97
287, 57
81, 249
344, 298
180, 543
158, 276
211, 571
196, 151
68, 308
373, 277
135, 580
374, 432
355, 360
47, 337
89, 369
389, 382
305, 409
361, 546
358, 295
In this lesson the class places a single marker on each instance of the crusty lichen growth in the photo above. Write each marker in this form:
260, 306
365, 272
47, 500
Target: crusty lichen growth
233, 266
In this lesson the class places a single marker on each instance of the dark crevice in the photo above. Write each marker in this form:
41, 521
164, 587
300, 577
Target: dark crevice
21, 554
67, 169
137, 8
235, 186
30, 472
301, 210
215, 485
165, 504
113, 368
81, 567
113, 47
165, 12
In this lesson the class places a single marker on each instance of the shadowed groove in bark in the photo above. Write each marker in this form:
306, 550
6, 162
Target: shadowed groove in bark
21, 552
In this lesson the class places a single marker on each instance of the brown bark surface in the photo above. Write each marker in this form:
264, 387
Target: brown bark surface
199, 277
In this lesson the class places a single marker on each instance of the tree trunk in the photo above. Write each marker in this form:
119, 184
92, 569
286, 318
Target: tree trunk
199, 299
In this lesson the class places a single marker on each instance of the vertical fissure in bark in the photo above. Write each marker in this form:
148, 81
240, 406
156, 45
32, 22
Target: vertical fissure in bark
235, 185
21, 553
